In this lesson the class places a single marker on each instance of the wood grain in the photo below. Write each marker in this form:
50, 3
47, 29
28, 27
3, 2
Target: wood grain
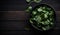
14, 22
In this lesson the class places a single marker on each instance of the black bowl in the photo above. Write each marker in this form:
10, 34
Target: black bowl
35, 27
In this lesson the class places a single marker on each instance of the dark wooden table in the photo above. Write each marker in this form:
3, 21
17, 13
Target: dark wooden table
13, 18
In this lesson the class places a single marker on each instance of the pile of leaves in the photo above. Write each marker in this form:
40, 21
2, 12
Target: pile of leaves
42, 17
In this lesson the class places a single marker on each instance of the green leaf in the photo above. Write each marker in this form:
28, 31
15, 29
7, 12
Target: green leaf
28, 9
43, 22
28, 0
34, 12
47, 27
44, 11
51, 23
46, 22
51, 19
46, 16
31, 21
37, 1
44, 7
43, 28
48, 8
39, 9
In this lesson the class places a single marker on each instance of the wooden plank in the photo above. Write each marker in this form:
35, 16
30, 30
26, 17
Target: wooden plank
20, 5
13, 15
9, 18
13, 23
20, 15
56, 32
